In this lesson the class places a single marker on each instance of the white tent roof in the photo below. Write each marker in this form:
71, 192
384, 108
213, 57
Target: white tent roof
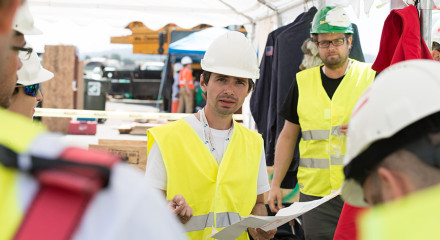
89, 24
157, 13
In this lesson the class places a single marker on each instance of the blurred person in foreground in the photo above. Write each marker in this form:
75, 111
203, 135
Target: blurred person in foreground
393, 153
52, 191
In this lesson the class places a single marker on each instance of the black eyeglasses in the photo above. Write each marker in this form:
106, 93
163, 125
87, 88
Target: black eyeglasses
334, 42
31, 90
24, 53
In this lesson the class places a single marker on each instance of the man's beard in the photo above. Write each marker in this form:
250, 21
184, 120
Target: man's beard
335, 63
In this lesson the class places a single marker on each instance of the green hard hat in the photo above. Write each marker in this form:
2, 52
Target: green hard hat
331, 20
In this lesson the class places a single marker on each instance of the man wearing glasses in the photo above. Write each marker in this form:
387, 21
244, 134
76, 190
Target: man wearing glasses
27, 93
319, 105
17, 53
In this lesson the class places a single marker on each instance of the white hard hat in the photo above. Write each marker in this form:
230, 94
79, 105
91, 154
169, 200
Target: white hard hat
32, 72
400, 99
177, 67
435, 33
232, 54
186, 60
24, 22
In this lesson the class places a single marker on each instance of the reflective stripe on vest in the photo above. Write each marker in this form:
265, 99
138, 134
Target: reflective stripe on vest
320, 134
201, 222
210, 188
321, 163
322, 145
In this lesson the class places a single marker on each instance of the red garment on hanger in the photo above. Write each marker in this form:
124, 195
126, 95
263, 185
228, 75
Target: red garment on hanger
401, 39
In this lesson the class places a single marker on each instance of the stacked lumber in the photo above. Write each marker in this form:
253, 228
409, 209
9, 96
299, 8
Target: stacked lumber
131, 151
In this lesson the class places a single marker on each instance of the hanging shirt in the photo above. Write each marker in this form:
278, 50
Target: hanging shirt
401, 39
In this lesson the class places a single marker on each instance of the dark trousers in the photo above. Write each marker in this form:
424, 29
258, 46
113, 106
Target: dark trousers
320, 223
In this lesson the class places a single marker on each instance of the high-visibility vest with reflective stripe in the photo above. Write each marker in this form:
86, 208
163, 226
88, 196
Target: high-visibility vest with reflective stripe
322, 146
219, 195
415, 216
185, 76
17, 133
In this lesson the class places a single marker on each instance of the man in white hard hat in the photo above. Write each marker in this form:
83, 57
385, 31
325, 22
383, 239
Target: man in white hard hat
7, 13
14, 42
435, 37
175, 89
393, 153
23, 25
186, 84
52, 191
212, 169
435, 50
28, 93
318, 106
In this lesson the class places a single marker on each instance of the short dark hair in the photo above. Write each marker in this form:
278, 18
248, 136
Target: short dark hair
207, 75
16, 89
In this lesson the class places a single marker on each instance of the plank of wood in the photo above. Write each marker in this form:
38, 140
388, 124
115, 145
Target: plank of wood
80, 86
122, 142
135, 155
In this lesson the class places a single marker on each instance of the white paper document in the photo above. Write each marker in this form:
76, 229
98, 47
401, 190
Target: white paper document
270, 222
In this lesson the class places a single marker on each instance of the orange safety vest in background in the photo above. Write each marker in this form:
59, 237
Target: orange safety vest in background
186, 76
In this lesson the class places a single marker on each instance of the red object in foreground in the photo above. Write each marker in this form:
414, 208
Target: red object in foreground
82, 127
347, 225
66, 188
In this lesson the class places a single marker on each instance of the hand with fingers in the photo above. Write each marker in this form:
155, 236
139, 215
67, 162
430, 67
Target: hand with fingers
275, 199
181, 208
344, 129
260, 234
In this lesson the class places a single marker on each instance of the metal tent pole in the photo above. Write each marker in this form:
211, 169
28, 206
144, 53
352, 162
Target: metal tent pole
426, 20
321, 4
275, 9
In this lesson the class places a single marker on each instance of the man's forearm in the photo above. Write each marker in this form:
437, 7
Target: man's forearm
283, 157
259, 210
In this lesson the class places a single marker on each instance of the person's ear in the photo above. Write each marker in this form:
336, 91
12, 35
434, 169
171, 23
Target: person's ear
7, 15
394, 184
203, 83
350, 41
250, 82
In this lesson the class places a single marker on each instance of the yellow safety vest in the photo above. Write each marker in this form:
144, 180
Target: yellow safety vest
219, 195
322, 146
413, 217
16, 133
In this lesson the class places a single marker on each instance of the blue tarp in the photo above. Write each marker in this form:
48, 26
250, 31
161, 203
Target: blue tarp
196, 43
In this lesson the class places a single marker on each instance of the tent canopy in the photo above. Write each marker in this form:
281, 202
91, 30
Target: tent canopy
157, 13
196, 43
89, 24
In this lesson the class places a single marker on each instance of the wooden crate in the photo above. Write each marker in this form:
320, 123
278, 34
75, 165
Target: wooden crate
58, 92
131, 151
